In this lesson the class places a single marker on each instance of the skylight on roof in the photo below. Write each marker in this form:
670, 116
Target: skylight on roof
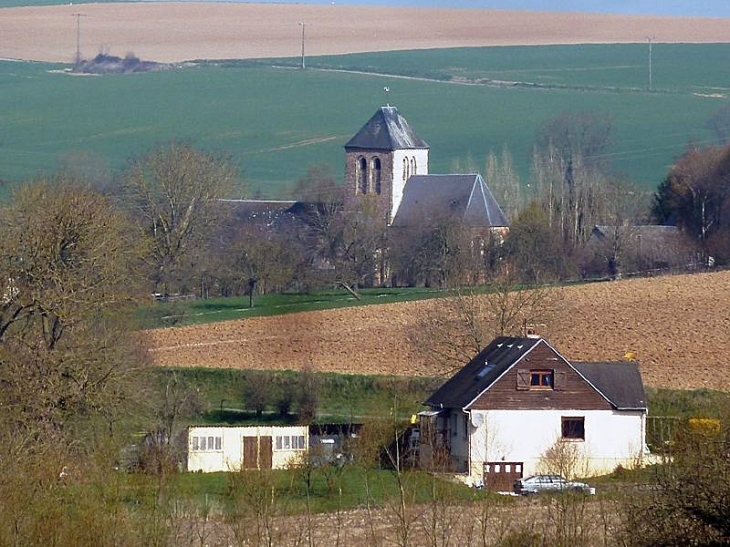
488, 367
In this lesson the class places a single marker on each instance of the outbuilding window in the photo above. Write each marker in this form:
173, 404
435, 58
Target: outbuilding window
290, 442
573, 429
207, 444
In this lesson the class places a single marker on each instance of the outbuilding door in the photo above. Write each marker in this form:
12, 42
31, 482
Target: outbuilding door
500, 476
265, 450
257, 453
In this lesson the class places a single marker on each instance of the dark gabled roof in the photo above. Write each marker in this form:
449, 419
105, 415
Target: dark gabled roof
651, 235
465, 199
619, 382
481, 372
386, 130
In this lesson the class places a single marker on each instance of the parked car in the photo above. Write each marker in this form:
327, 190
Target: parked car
538, 484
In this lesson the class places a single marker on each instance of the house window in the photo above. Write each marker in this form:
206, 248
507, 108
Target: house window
290, 442
207, 444
541, 379
573, 429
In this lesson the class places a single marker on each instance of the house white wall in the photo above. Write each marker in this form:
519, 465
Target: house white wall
228, 455
611, 438
400, 175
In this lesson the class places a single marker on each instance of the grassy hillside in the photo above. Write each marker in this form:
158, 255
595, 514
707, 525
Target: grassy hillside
276, 123
341, 397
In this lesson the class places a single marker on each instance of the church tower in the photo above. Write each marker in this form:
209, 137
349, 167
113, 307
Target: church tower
380, 158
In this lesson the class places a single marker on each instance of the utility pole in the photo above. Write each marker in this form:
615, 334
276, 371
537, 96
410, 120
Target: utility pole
77, 57
303, 25
650, 39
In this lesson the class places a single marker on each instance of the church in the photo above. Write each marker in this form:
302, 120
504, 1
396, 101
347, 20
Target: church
389, 190
386, 161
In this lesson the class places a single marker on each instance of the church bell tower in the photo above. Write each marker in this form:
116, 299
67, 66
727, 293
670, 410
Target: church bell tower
380, 158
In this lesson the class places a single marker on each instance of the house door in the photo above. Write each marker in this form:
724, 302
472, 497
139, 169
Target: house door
250, 453
500, 476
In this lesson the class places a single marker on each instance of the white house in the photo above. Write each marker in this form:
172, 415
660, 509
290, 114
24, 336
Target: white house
216, 448
497, 417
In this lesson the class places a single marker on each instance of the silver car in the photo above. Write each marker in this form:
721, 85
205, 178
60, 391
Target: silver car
549, 483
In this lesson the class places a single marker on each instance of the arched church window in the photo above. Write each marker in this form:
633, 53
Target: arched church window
362, 176
405, 169
375, 169
413, 165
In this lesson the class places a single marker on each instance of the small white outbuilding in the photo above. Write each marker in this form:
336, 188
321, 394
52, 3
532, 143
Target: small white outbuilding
217, 448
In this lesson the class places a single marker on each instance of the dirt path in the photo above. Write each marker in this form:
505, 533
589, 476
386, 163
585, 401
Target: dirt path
677, 327
174, 32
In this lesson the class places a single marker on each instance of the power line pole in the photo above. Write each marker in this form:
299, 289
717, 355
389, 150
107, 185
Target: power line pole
77, 57
303, 25
650, 39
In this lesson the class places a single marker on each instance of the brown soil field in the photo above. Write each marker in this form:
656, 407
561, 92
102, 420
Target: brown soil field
678, 328
174, 32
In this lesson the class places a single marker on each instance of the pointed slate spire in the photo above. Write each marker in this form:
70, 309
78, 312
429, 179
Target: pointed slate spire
386, 130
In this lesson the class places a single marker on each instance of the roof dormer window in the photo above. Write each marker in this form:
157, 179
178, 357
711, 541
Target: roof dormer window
541, 379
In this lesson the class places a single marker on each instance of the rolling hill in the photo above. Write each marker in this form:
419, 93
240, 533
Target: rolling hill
677, 327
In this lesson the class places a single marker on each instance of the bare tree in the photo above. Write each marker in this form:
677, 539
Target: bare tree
70, 373
696, 194
504, 182
460, 325
440, 252
569, 169
533, 249
175, 191
67, 271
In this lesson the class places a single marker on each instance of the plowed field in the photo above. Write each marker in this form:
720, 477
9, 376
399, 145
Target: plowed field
678, 328
171, 31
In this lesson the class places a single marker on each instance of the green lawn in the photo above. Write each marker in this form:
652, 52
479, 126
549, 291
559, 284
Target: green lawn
347, 490
276, 123
189, 312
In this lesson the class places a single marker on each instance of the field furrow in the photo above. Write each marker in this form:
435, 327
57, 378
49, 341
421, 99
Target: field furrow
677, 327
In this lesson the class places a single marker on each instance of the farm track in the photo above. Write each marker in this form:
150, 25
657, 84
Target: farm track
678, 328
514, 84
182, 31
